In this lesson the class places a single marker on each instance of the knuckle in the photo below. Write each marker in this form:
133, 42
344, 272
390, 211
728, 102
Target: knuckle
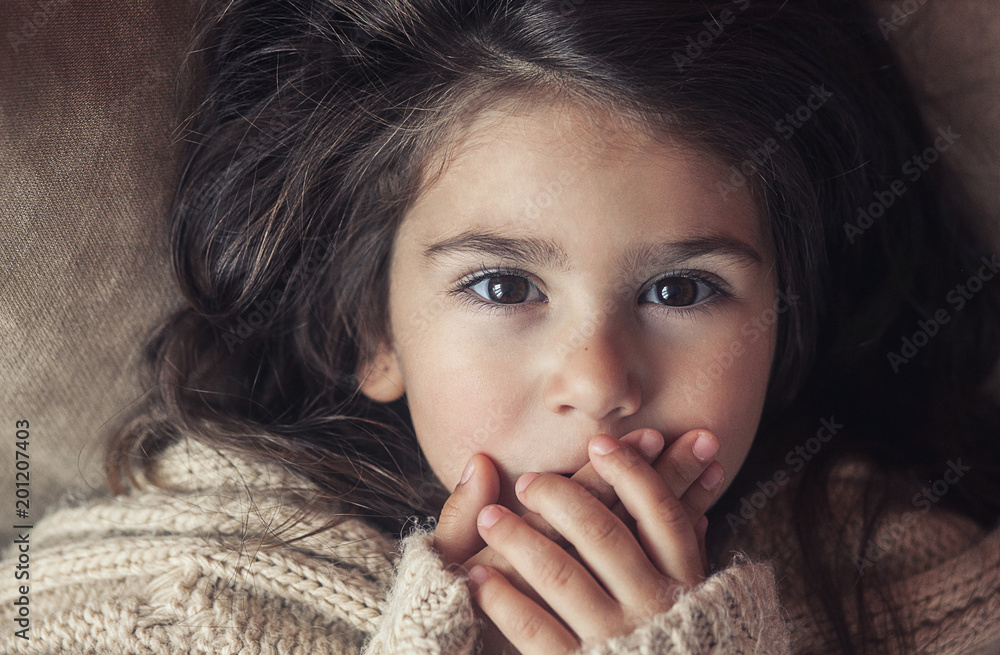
671, 511
599, 529
687, 470
451, 512
555, 573
528, 625
679, 477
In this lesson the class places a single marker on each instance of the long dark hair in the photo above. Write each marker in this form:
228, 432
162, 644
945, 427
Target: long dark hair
314, 136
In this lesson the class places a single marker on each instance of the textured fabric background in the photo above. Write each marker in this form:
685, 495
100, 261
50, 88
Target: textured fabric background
87, 166
89, 101
951, 52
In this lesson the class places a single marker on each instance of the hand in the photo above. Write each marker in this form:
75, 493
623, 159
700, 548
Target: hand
621, 578
457, 538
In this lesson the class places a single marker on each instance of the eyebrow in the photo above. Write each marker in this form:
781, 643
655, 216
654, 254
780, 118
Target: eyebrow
542, 253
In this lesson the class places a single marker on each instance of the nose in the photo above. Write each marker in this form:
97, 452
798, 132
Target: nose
595, 374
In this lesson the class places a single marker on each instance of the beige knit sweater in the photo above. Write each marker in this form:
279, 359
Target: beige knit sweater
182, 571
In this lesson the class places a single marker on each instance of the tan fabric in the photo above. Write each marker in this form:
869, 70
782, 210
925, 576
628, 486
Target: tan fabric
945, 569
88, 164
182, 570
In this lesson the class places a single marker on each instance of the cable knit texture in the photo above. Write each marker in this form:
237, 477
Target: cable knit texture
186, 568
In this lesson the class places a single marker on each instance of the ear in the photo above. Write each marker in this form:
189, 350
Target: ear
382, 379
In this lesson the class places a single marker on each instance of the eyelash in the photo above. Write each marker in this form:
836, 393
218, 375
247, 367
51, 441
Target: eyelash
478, 302
720, 289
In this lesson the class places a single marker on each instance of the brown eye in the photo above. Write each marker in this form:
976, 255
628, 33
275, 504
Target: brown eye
679, 292
506, 289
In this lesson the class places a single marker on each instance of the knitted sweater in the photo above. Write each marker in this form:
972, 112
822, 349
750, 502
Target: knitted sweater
182, 570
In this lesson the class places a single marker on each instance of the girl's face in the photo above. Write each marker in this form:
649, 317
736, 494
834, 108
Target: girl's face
564, 278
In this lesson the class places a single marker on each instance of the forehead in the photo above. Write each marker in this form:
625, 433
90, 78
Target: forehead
561, 127
514, 154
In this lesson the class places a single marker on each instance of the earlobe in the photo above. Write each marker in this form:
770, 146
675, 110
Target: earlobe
382, 380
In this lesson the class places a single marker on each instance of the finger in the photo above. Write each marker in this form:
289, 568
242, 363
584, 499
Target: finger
646, 441
664, 528
688, 468
495, 561
527, 626
559, 579
456, 537
704, 492
603, 541
686, 459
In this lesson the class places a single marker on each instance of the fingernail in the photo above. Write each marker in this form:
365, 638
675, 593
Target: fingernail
467, 473
651, 443
476, 577
711, 478
705, 446
603, 444
489, 516
524, 481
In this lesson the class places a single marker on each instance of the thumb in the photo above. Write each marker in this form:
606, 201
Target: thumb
456, 537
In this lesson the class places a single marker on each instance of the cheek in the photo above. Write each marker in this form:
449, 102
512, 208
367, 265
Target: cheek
460, 405
722, 385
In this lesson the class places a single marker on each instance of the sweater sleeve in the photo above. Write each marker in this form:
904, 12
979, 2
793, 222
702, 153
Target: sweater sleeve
428, 610
734, 611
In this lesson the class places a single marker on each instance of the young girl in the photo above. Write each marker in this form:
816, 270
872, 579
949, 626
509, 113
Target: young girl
564, 276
